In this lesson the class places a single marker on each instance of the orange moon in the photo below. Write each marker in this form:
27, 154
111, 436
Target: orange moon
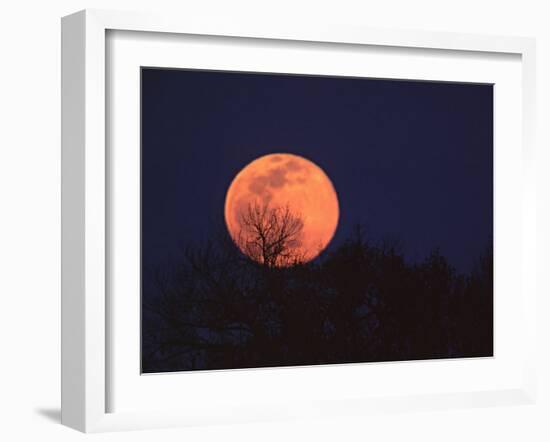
284, 180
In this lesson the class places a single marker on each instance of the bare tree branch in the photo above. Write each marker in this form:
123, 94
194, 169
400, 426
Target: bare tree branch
271, 235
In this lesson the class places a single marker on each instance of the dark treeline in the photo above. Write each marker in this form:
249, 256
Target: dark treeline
363, 302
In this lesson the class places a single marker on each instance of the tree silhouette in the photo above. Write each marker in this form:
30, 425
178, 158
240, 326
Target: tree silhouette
271, 235
362, 302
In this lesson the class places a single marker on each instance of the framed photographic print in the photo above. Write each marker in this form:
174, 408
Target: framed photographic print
261, 223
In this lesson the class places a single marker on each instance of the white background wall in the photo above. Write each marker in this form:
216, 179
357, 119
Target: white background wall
30, 215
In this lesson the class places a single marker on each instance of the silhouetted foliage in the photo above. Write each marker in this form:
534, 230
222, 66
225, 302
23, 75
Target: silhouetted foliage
362, 302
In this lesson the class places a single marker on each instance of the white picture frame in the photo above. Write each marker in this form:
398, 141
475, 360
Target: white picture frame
85, 208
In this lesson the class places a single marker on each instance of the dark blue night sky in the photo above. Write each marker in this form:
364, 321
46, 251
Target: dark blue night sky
409, 160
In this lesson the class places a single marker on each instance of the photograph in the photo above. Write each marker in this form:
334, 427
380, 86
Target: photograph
302, 220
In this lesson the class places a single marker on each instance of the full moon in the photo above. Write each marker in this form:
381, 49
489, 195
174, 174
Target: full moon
286, 194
